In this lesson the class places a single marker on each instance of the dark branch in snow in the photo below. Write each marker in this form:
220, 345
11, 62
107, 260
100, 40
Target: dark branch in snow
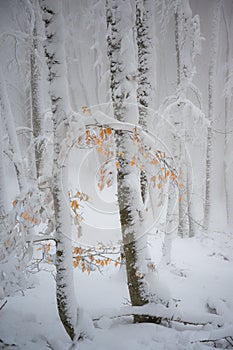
2, 306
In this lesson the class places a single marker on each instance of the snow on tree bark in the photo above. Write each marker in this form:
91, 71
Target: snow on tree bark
14, 148
123, 92
227, 108
211, 111
144, 89
36, 57
56, 61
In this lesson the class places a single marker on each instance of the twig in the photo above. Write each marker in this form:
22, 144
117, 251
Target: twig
2, 306
213, 340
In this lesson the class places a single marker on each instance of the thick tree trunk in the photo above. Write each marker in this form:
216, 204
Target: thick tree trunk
123, 92
56, 61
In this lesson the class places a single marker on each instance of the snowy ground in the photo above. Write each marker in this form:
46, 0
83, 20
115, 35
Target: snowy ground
200, 275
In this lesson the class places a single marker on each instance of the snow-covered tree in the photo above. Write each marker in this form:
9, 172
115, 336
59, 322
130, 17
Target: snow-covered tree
121, 51
58, 90
211, 110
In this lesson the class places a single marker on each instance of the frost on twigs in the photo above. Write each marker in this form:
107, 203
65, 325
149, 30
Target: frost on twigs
27, 212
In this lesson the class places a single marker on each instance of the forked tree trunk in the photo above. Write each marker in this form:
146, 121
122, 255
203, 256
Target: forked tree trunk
123, 90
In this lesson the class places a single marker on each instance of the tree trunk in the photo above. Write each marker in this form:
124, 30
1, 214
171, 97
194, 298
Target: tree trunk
56, 61
123, 92
144, 90
211, 112
14, 149
36, 87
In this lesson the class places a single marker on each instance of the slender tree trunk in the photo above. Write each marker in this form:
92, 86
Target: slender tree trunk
36, 88
211, 112
144, 90
3, 194
8, 121
227, 102
182, 22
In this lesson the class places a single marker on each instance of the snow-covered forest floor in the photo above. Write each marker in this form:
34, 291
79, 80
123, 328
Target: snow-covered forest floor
200, 282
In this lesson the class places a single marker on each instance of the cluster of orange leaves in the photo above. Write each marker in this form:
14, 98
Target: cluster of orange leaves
29, 216
157, 159
88, 259
46, 249
75, 201
96, 137
101, 138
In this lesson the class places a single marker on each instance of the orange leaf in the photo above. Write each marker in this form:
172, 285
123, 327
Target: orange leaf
159, 186
108, 131
25, 215
101, 133
101, 186
75, 264
76, 250
132, 163
121, 154
117, 164
154, 161
173, 177
99, 149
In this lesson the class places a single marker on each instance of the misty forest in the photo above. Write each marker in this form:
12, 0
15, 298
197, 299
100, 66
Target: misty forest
116, 201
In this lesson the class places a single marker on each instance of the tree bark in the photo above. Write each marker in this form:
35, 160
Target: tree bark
211, 112
56, 61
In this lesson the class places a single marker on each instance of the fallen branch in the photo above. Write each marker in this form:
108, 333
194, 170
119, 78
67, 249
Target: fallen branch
229, 339
153, 319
